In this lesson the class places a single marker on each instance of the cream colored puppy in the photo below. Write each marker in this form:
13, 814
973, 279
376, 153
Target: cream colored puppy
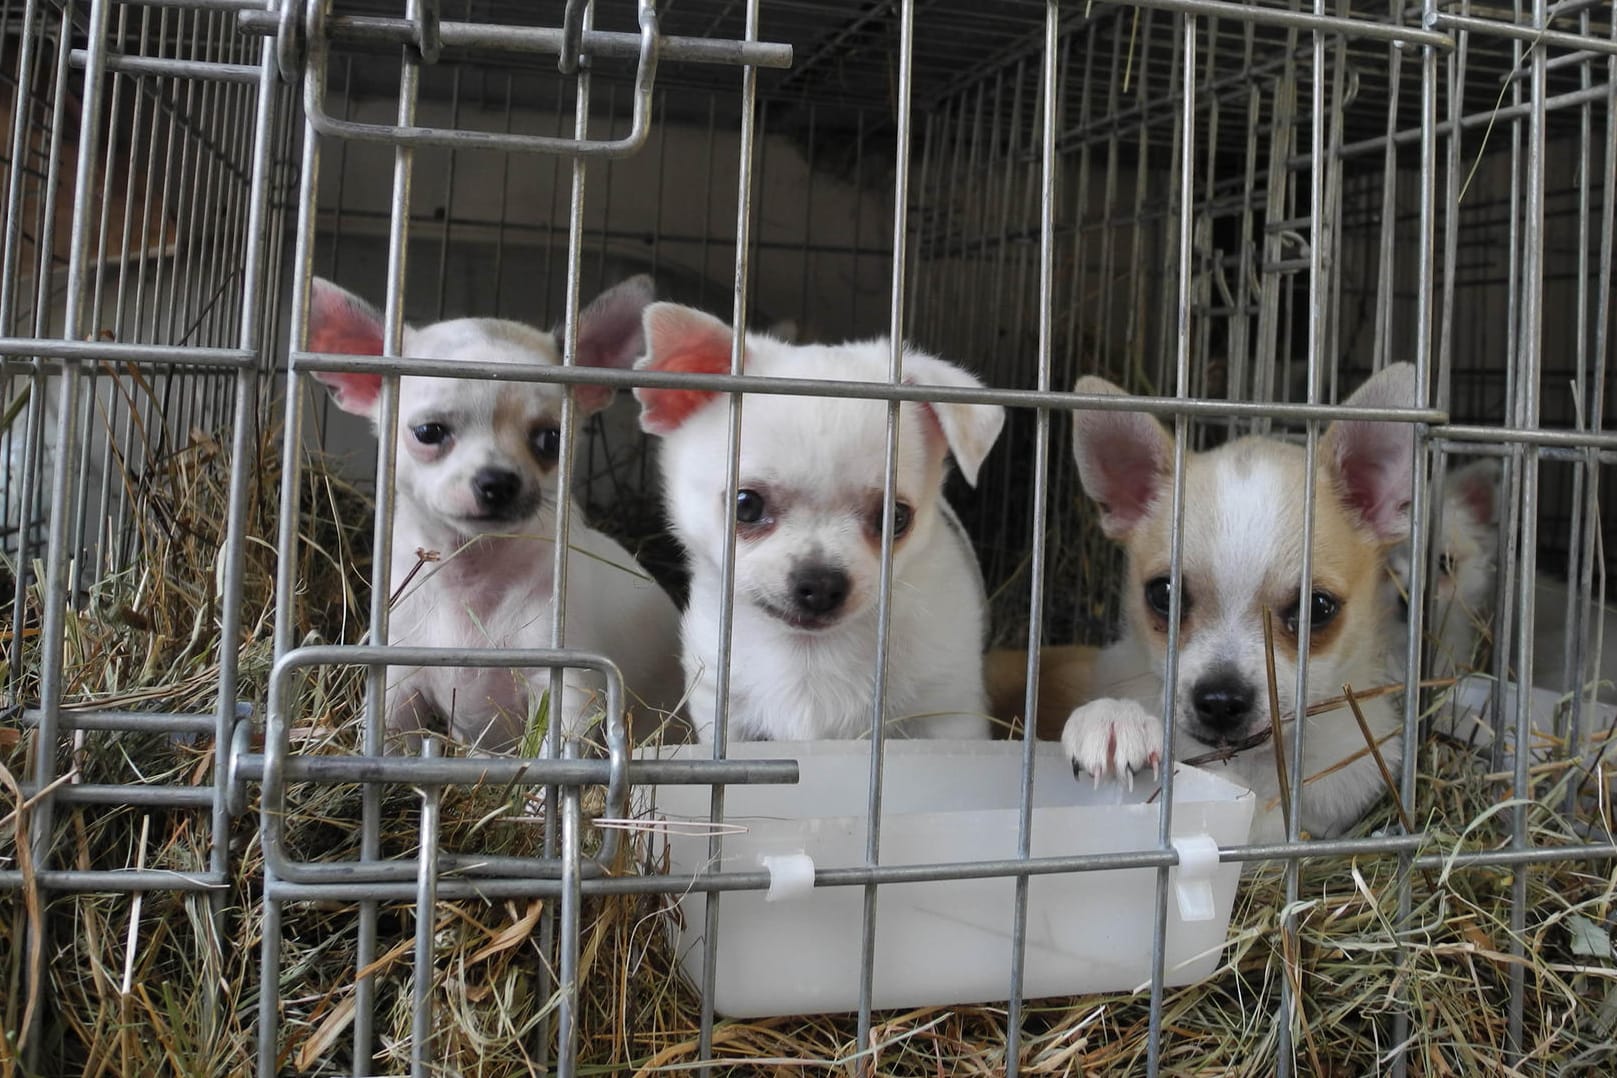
807, 521
476, 486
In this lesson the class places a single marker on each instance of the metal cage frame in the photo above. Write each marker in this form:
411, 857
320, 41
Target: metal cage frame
998, 179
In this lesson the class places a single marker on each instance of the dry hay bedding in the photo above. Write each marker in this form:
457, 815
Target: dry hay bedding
190, 1004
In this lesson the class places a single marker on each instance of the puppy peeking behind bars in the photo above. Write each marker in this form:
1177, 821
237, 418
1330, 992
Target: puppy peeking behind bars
474, 533
808, 520
1242, 552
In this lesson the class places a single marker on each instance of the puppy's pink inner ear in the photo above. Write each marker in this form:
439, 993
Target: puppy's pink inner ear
1125, 488
341, 323
1373, 469
680, 340
665, 410
1123, 458
354, 392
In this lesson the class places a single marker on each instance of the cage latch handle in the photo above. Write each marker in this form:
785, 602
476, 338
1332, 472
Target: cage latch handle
427, 38
275, 765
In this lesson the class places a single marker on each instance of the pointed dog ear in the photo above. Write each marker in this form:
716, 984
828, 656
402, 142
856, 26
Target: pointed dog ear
1477, 487
1124, 459
1371, 463
969, 431
343, 324
610, 334
686, 340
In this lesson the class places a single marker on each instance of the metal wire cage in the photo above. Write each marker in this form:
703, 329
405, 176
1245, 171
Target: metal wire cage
1238, 210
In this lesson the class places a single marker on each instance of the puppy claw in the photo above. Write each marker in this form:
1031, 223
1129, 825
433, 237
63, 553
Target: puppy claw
1116, 737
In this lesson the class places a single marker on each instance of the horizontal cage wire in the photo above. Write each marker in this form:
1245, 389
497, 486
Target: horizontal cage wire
216, 853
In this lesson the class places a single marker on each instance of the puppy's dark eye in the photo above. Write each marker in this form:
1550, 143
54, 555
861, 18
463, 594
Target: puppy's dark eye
1322, 610
546, 442
1445, 563
1159, 597
749, 507
903, 517
430, 433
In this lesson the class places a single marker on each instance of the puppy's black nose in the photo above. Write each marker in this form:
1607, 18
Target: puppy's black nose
819, 590
1403, 608
495, 488
1223, 701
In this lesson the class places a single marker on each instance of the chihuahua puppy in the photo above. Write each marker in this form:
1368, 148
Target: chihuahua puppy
808, 532
1241, 554
474, 532
1461, 626
1464, 585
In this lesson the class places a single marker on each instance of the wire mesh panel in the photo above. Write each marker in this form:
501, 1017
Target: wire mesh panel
244, 242
137, 309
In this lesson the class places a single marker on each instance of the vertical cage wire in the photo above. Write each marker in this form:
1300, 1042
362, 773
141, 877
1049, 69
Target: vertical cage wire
1050, 116
746, 158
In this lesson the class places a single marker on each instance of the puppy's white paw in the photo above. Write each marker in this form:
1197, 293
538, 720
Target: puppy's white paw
1113, 737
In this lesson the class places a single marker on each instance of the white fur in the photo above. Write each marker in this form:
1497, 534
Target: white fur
821, 462
1113, 736
1462, 616
1464, 585
1242, 552
788, 684
492, 583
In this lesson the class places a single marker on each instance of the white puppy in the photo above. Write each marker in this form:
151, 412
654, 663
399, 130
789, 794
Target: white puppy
1464, 585
807, 523
1463, 621
1242, 552
476, 493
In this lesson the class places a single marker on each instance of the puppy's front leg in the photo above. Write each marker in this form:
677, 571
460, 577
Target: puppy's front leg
1113, 736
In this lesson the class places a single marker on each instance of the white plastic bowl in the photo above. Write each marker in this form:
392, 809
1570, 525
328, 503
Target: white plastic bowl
944, 942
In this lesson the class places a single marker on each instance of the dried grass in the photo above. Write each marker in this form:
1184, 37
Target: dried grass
165, 983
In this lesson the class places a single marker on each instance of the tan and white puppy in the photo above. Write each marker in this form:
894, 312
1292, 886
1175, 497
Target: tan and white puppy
808, 533
476, 486
1242, 552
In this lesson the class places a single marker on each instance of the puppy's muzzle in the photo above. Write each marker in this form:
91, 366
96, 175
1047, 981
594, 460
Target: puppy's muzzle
1224, 703
818, 591
497, 490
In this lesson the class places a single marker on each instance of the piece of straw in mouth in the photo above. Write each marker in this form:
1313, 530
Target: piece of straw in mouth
1274, 717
